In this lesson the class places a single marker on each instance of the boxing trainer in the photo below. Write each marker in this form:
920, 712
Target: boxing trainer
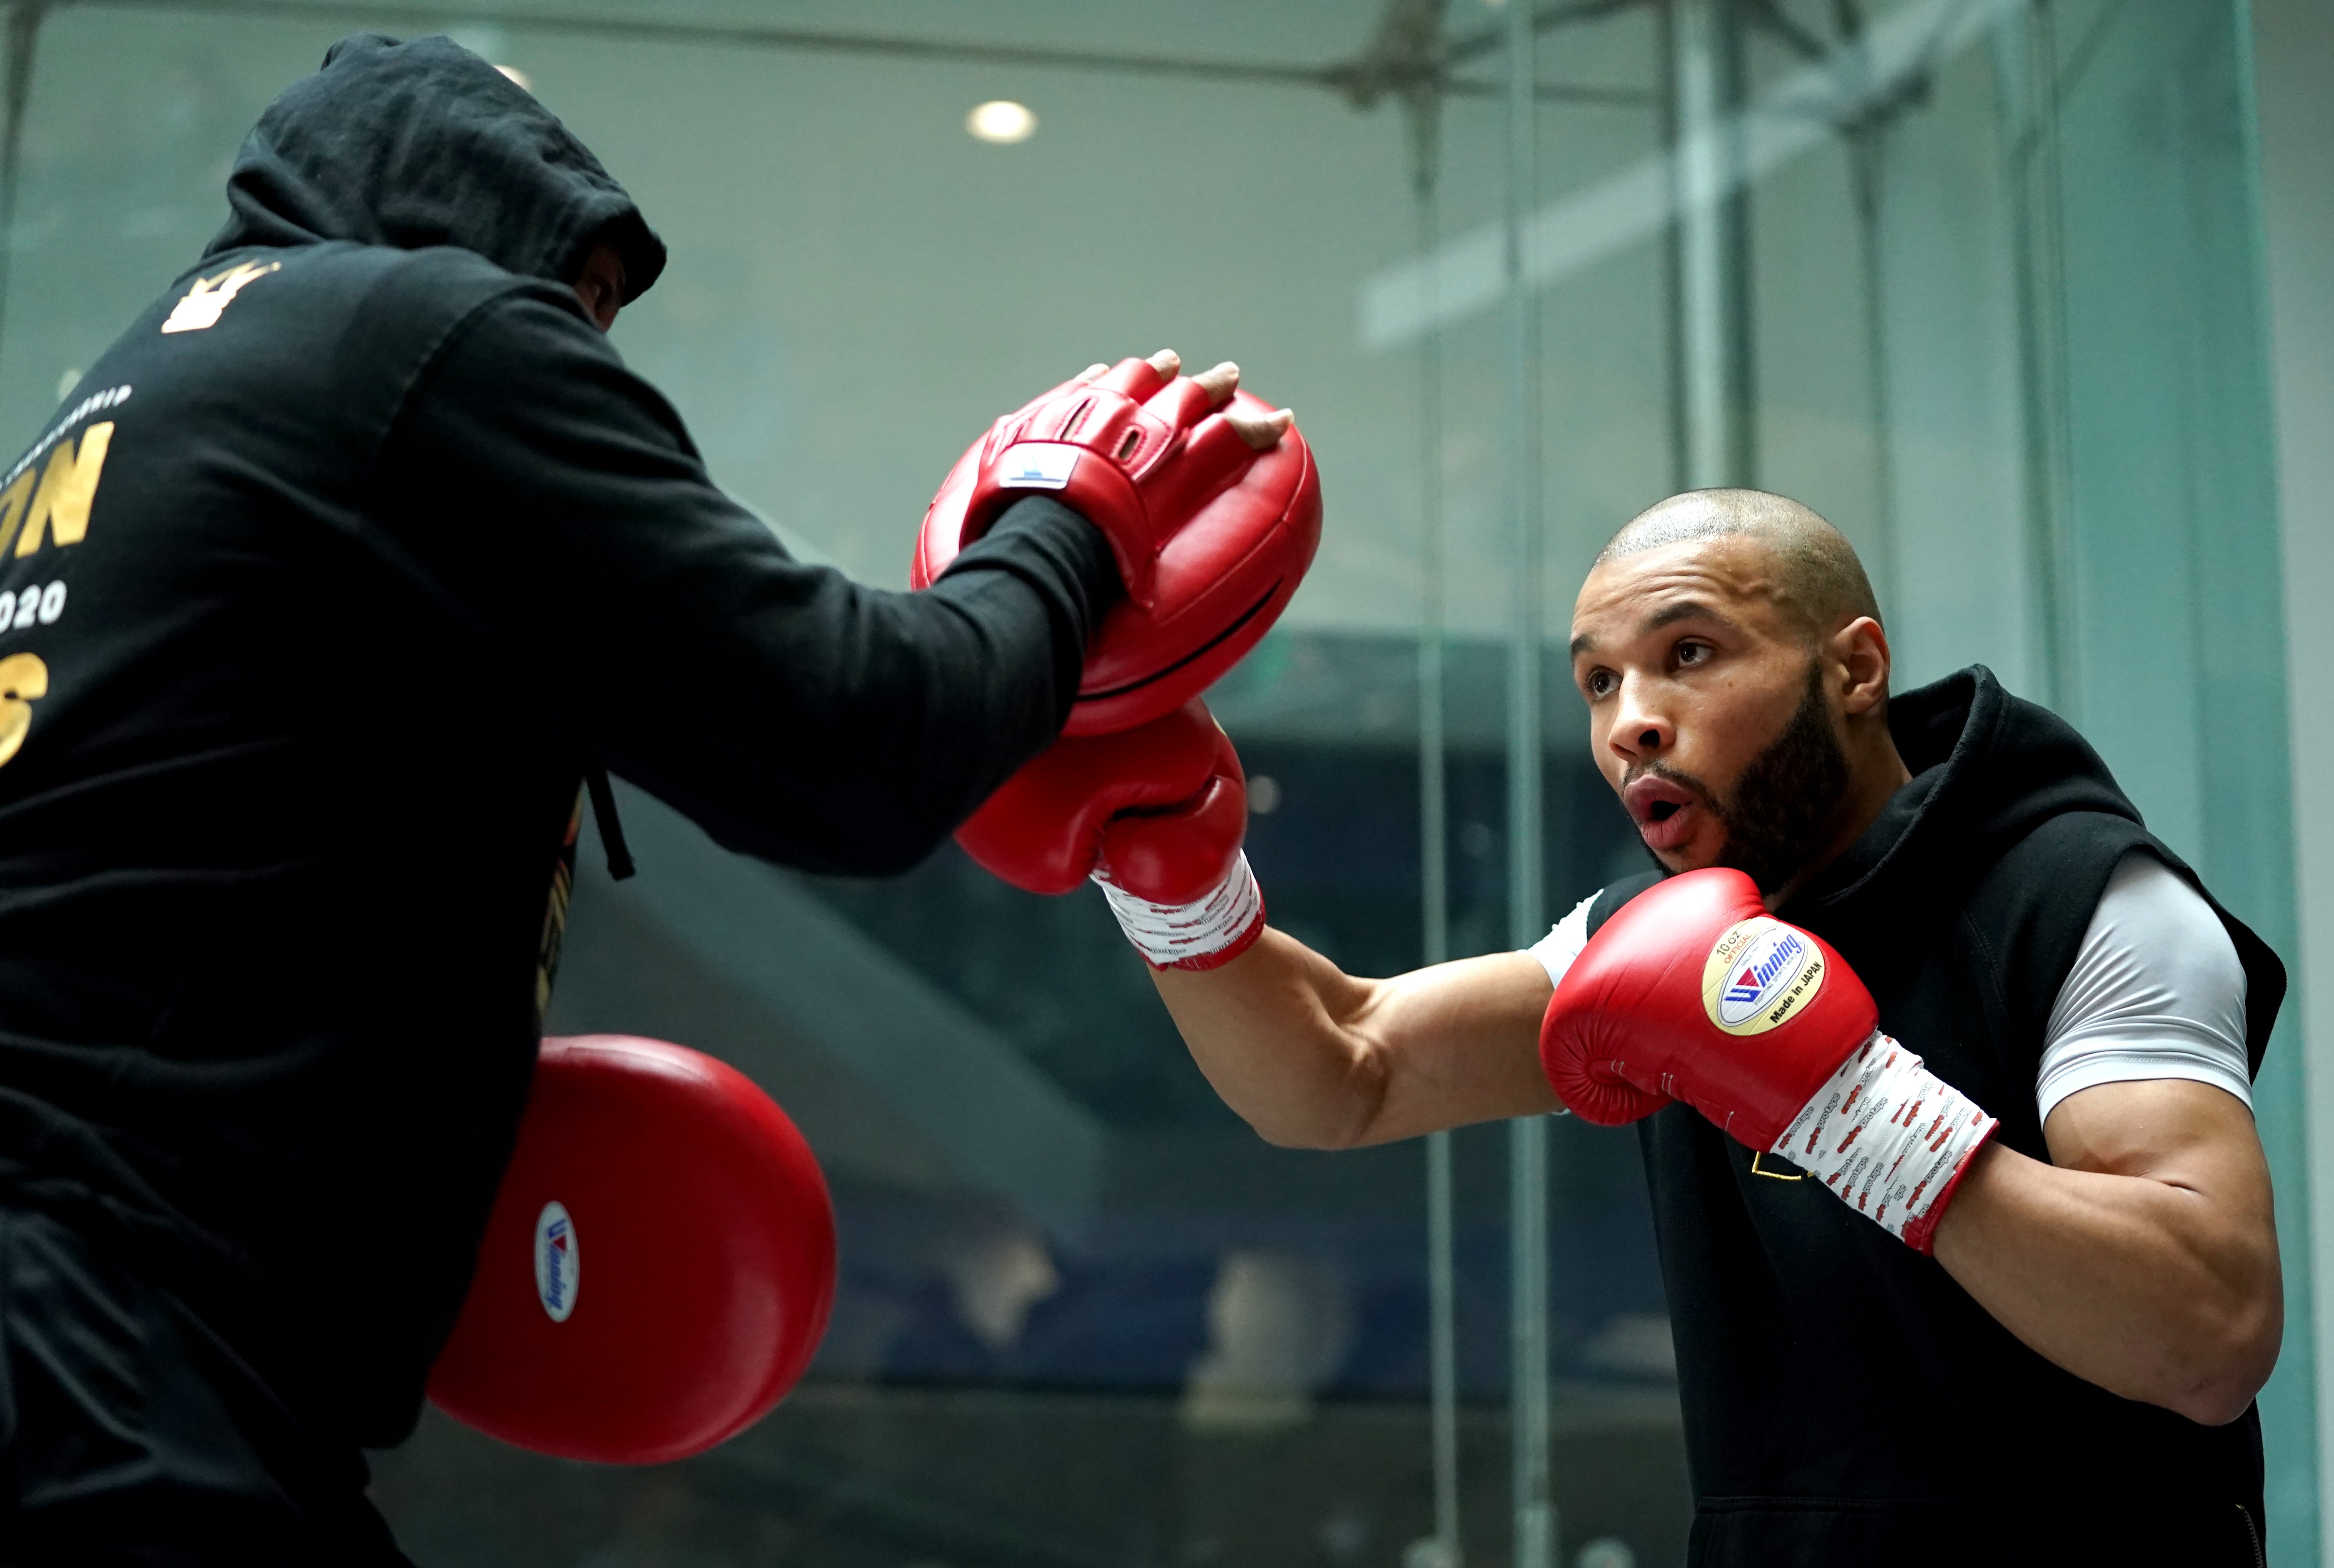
342, 572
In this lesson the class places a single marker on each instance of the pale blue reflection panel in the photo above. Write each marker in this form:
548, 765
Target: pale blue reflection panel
2178, 645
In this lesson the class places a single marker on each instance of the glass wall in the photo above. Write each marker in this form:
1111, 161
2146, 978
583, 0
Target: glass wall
1974, 278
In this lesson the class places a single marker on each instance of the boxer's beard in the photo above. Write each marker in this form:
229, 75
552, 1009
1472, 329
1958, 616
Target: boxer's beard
1783, 803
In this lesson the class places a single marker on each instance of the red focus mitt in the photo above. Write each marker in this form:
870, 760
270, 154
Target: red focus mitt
711, 1271
1211, 537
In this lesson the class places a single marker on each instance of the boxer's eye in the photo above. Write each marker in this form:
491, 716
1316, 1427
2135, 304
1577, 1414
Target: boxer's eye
1692, 654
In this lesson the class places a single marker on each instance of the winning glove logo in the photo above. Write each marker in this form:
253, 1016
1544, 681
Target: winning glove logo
557, 1265
1760, 971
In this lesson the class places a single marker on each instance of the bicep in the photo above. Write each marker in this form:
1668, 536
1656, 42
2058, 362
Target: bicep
1459, 1043
2184, 1134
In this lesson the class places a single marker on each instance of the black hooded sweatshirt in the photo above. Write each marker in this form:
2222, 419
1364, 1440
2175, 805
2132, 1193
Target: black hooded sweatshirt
336, 573
1847, 1403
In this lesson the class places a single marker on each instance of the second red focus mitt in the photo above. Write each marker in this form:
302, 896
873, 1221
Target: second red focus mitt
658, 1267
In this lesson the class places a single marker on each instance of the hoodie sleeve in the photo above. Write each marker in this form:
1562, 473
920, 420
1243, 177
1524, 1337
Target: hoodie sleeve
551, 501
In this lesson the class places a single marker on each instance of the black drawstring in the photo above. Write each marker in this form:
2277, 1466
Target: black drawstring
611, 830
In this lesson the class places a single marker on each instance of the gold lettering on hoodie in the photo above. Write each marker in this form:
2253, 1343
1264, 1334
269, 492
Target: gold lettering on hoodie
60, 506
23, 680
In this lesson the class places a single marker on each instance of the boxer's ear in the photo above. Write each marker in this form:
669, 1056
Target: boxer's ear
1861, 648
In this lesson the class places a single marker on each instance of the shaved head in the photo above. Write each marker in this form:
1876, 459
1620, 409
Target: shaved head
1818, 577
1736, 674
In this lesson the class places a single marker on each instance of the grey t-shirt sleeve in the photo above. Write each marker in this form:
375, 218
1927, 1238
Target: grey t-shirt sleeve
2158, 991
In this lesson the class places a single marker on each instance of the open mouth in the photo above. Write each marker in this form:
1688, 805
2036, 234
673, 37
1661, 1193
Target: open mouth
1663, 810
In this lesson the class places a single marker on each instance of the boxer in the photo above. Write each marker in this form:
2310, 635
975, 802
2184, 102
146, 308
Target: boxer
1940, 1062
342, 569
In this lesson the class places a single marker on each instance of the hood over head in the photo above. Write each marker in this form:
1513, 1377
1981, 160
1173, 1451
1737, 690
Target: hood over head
418, 144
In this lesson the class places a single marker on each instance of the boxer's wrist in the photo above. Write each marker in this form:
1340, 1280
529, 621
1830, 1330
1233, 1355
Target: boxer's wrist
1200, 935
1890, 1138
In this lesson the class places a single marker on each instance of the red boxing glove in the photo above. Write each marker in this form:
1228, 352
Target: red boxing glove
1160, 810
1211, 537
1155, 816
1692, 991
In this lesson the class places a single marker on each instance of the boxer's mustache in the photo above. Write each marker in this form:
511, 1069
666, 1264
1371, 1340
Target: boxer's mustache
1684, 781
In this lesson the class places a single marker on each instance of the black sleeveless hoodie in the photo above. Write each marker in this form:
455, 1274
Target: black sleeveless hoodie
1845, 1401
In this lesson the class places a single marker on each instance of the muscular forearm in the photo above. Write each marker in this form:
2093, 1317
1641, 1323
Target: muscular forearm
2160, 1286
1313, 1058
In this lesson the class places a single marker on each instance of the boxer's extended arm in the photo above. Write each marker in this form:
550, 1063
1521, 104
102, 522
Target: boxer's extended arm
550, 505
1314, 1058
2144, 1257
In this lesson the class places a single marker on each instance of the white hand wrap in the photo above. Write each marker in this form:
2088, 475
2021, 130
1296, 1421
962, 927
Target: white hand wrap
1888, 1136
1213, 930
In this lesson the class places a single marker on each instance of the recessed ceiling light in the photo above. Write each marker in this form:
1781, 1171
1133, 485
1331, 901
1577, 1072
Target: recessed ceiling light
1001, 120
516, 74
